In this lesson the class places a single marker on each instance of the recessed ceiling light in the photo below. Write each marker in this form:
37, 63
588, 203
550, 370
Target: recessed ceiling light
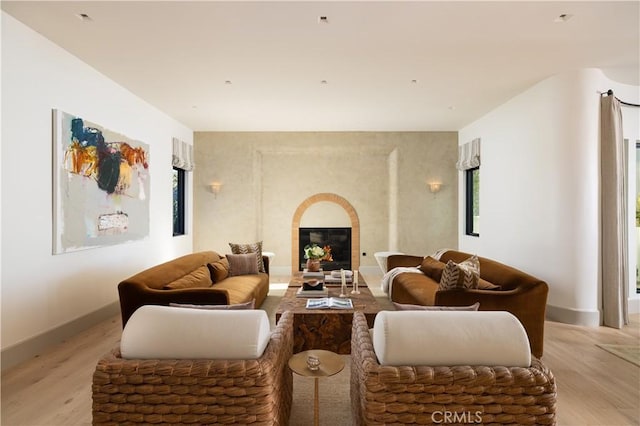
84, 17
563, 18
323, 19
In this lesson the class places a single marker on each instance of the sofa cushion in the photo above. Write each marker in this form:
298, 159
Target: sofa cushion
163, 332
238, 306
200, 277
460, 275
414, 289
242, 289
250, 248
219, 270
408, 307
432, 268
449, 338
242, 264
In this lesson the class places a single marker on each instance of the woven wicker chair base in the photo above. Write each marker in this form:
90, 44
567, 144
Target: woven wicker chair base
176, 392
386, 395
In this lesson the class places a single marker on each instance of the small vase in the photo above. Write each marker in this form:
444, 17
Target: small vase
313, 265
313, 363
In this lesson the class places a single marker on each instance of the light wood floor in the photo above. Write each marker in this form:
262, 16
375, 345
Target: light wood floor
594, 386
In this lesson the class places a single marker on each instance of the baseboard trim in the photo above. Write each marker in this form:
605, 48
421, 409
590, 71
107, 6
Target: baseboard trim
34, 346
573, 316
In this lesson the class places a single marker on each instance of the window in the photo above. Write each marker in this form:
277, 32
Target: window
178, 201
473, 201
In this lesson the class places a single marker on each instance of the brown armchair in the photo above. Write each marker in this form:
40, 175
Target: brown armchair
521, 294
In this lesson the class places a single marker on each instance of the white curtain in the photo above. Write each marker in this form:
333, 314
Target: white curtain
613, 196
469, 155
182, 157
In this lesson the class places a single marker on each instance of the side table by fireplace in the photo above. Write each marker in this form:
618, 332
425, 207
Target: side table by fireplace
328, 329
330, 364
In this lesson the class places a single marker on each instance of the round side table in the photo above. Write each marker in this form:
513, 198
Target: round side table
330, 364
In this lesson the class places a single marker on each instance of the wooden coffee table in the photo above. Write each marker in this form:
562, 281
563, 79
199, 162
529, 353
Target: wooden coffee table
328, 329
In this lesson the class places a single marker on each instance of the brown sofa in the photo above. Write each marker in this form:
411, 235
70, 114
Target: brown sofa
151, 286
519, 293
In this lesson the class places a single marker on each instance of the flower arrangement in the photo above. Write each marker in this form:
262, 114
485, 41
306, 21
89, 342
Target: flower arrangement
316, 252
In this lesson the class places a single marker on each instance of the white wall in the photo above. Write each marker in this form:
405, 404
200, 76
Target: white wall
383, 175
40, 291
539, 190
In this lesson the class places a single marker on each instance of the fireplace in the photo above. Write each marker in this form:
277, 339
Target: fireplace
339, 239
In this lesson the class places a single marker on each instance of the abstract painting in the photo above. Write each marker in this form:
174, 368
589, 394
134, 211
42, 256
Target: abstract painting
101, 186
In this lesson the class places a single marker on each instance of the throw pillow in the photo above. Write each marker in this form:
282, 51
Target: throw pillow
236, 306
198, 278
219, 270
461, 275
407, 307
242, 264
486, 285
432, 268
250, 248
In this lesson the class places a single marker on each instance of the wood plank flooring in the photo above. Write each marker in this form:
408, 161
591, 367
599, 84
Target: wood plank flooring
595, 387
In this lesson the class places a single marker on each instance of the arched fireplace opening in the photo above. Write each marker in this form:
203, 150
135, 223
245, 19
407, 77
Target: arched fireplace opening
299, 241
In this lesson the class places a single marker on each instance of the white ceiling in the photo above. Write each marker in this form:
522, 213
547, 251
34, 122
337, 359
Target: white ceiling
467, 57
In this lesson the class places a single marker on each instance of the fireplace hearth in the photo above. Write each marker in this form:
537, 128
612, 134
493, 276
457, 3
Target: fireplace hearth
339, 239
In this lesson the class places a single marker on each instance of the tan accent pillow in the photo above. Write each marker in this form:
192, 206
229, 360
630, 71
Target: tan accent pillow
242, 264
198, 278
250, 248
407, 307
432, 268
462, 275
237, 306
486, 285
219, 270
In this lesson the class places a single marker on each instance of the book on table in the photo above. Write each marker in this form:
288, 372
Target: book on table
330, 303
313, 274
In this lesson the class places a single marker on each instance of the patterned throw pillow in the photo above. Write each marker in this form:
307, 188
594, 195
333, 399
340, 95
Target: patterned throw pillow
462, 275
242, 264
250, 248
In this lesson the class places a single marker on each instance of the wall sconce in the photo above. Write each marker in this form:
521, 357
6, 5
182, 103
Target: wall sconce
434, 186
215, 188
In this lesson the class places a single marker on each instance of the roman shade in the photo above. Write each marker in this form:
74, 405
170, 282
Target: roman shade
182, 157
469, 155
